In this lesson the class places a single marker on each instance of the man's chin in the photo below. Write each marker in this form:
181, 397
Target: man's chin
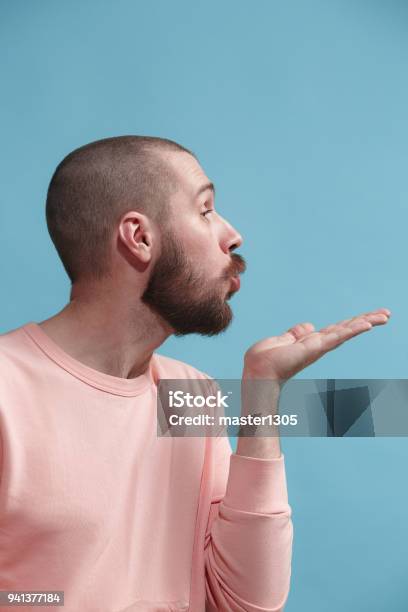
207, 318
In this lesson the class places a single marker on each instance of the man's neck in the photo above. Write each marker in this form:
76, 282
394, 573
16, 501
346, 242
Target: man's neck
110, 338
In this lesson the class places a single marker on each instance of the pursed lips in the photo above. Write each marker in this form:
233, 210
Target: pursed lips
235, 281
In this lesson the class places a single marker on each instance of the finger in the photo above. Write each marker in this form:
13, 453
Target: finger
336, 338
371, 313
318, 343
374, 317
299, 331
384, 311
337, 327
344, 332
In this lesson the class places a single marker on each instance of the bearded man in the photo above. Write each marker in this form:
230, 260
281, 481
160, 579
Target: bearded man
93, 502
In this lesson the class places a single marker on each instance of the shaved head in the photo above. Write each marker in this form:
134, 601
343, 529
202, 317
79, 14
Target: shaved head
94, 185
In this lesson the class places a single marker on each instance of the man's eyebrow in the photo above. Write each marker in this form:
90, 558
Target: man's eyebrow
205, 187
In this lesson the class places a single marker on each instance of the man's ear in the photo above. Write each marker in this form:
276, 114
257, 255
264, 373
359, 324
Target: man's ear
136, 233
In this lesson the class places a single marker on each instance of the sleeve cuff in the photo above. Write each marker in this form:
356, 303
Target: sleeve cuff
257, 485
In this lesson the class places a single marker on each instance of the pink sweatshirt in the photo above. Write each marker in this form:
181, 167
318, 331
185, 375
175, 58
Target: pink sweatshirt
95, 504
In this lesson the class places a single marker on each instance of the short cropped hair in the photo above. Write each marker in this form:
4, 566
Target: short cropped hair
94, 185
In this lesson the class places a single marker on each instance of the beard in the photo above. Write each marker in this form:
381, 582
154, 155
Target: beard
184, 297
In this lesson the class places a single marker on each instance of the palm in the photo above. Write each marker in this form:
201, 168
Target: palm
281, 357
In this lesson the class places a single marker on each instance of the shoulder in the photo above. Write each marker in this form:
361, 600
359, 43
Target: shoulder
13, 344
18, 358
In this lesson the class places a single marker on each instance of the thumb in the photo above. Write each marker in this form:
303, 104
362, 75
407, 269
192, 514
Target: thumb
298, 331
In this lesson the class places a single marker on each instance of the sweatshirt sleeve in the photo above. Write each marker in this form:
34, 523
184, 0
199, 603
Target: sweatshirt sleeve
248, 543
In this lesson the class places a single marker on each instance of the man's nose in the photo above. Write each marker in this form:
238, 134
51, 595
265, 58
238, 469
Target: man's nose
232, 238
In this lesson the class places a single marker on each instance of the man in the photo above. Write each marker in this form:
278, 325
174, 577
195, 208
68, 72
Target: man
93, 502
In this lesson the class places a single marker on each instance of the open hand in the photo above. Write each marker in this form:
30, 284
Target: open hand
281, 357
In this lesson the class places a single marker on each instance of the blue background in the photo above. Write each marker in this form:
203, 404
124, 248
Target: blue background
298, 112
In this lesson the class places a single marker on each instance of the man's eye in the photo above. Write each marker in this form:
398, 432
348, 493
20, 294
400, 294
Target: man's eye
206, 212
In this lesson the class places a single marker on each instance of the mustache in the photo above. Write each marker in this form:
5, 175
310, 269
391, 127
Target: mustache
238, 265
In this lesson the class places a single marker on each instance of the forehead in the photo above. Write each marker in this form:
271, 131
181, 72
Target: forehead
189, 172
